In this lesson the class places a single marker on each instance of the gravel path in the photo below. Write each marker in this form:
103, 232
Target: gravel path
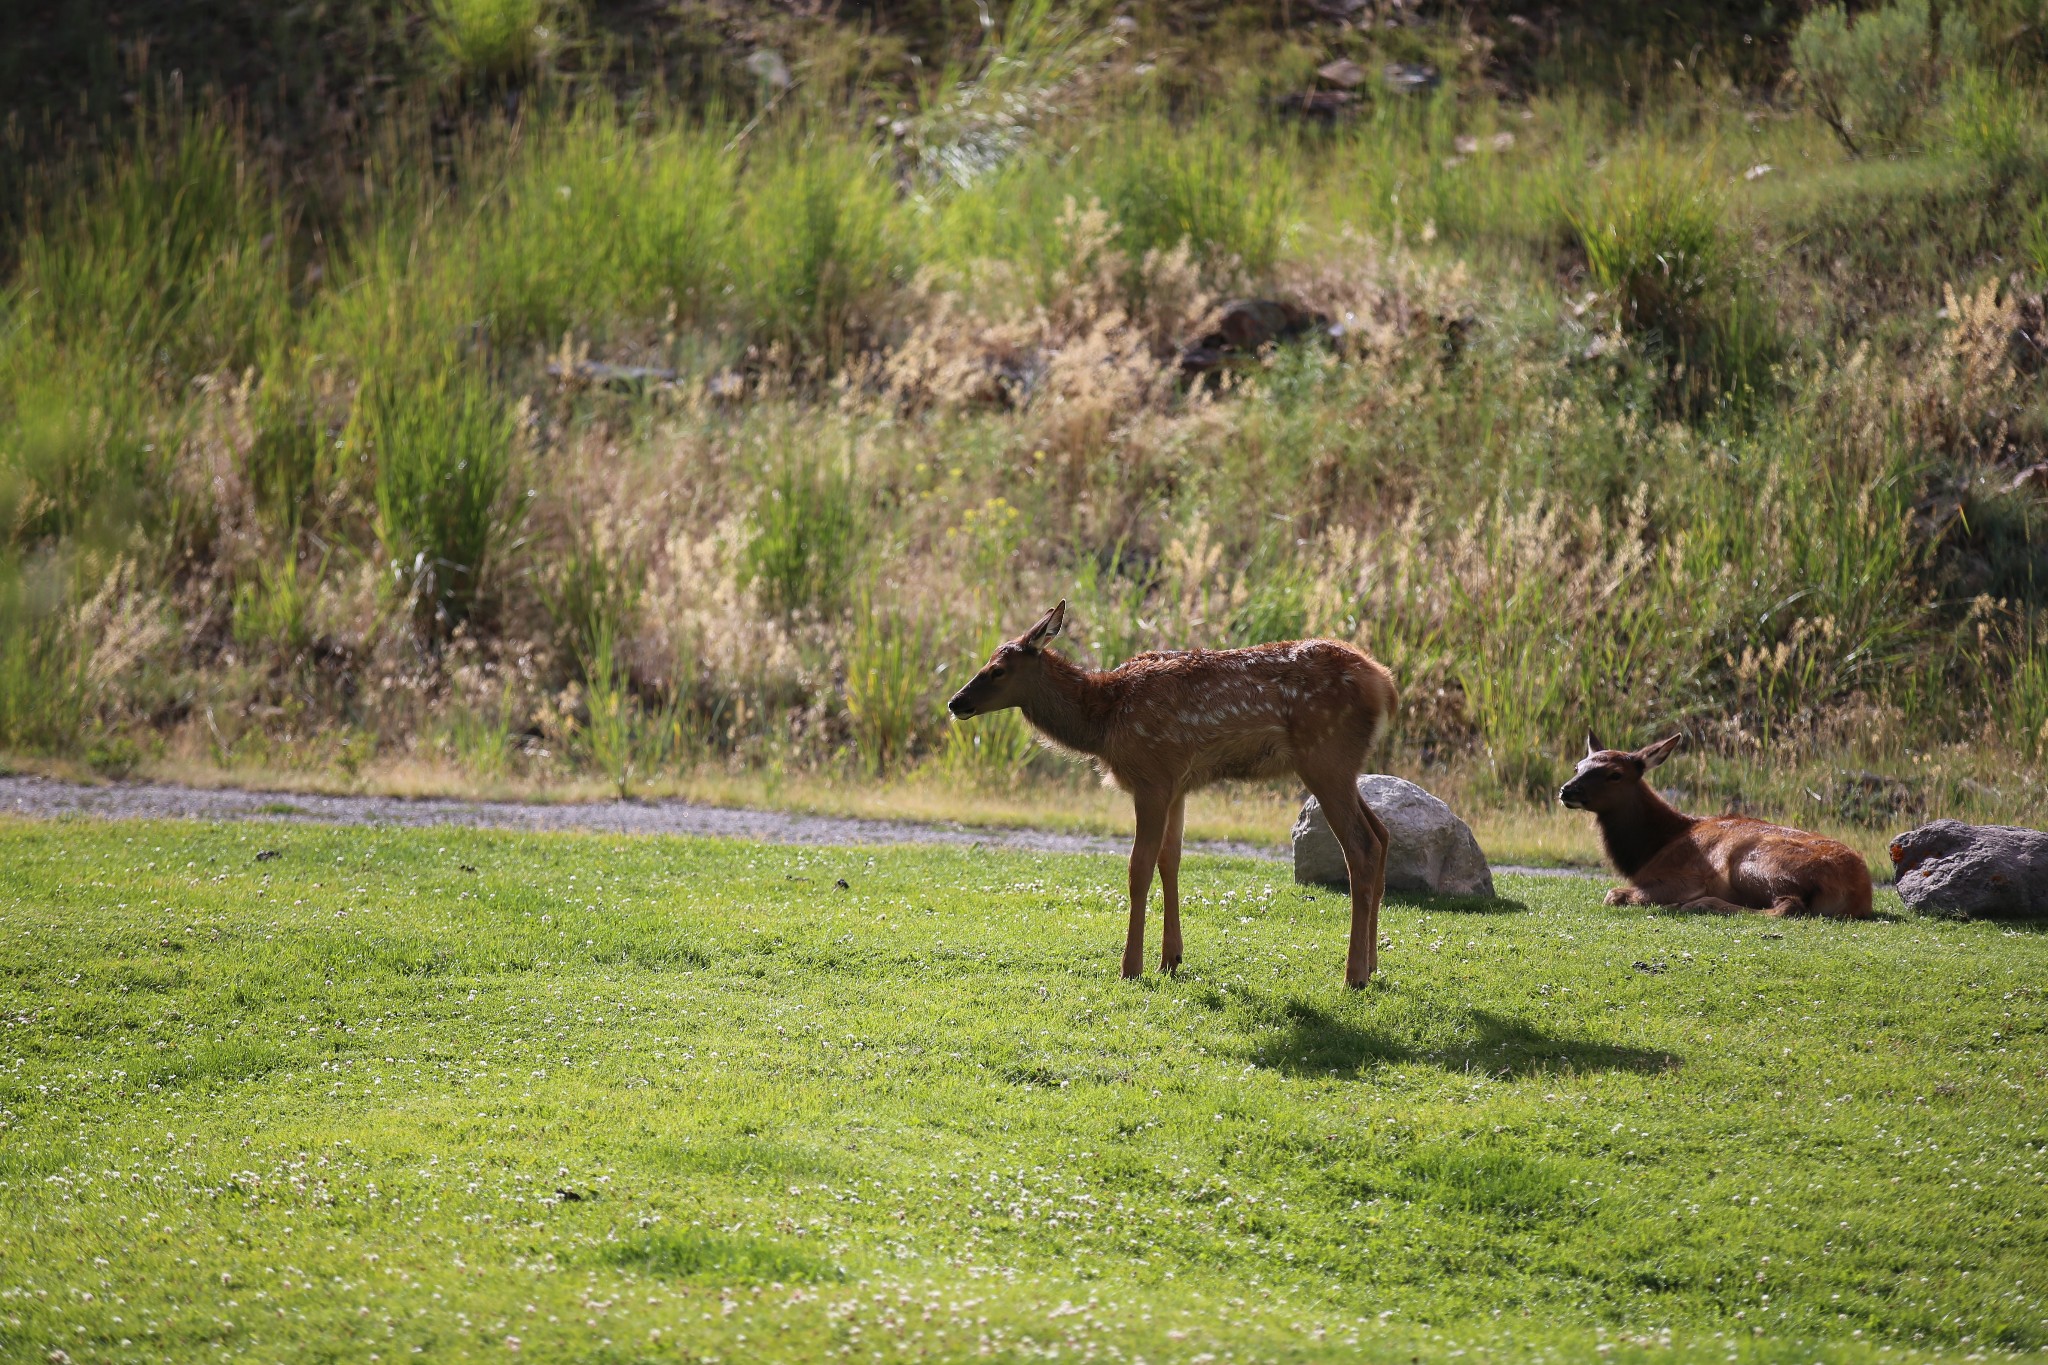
45, 798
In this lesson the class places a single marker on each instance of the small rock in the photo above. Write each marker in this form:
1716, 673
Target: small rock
1410, 78
841, 883
1653, 968
266, 855
1343, 72
1433, 850
1961, 871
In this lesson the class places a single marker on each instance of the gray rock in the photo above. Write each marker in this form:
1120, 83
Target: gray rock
1964, 871
1433, 850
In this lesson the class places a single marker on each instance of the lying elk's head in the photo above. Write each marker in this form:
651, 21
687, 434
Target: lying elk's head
1607, 778
1012, 672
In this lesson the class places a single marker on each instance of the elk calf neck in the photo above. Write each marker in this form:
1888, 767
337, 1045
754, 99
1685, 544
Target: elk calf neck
1720, 864
1165, 724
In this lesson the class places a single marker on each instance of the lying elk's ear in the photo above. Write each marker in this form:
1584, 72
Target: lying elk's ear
1593, 744
1661, 750
1048, 626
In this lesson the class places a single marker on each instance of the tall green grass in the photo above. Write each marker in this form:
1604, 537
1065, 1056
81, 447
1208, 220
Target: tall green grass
1660, 244
491, 40
441, 447
805, 538
820, 244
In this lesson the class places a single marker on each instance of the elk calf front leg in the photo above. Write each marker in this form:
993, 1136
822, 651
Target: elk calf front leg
1144, 857
1169, 885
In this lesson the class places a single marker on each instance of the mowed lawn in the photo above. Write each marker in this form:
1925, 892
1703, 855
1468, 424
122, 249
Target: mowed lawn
307, 1094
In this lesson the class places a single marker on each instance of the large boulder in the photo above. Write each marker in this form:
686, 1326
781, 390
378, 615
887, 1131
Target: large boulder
1973, 871
1433, 850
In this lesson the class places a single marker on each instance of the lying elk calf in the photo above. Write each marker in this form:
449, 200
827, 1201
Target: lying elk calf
1721, 864
1164, 724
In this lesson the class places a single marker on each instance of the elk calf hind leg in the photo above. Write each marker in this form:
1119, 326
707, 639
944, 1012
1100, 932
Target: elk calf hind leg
1169, 887
1383, 846
1363, 865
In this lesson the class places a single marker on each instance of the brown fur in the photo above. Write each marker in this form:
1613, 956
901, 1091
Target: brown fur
1165, 724
1720, 864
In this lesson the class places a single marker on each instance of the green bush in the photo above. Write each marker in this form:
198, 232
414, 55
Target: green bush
2034, 240
84, 453
592, 593
1205, 187
1874, 79
45, 697
1989, 118
888, 687
174, 260
441, 445
804, 540
599, 225
819, 246
491, 40
270, 610
1660, 246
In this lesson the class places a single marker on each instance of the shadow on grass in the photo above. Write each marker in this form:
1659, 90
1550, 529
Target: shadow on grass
1309, 1040
1456, 905
1427, 901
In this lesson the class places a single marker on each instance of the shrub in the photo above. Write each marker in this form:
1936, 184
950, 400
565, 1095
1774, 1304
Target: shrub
1989, 118
598, 225
1203, 187
44, 691
287, 460
441, 444
82, 452
1875, 78
803, 540
491, 40
819, 226
173, 260
1660, 247
270, 610
2034, 240
888, 685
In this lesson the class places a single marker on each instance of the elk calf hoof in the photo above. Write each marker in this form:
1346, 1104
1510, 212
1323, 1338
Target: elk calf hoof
1624, 895
1170, 965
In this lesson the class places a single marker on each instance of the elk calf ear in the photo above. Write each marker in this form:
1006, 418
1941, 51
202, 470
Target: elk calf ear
1661, 750
1048, 626
1593, 744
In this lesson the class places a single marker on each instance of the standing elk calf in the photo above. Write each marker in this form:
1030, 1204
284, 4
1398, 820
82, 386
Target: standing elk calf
1721, 864
1164, 724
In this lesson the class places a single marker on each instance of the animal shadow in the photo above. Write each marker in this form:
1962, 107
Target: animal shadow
1456, 905
1305, 1039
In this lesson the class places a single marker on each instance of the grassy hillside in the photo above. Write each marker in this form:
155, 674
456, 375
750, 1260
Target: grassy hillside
581, 397
272, 1093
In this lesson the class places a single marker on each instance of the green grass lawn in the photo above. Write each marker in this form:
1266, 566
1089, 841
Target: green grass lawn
388, 1093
